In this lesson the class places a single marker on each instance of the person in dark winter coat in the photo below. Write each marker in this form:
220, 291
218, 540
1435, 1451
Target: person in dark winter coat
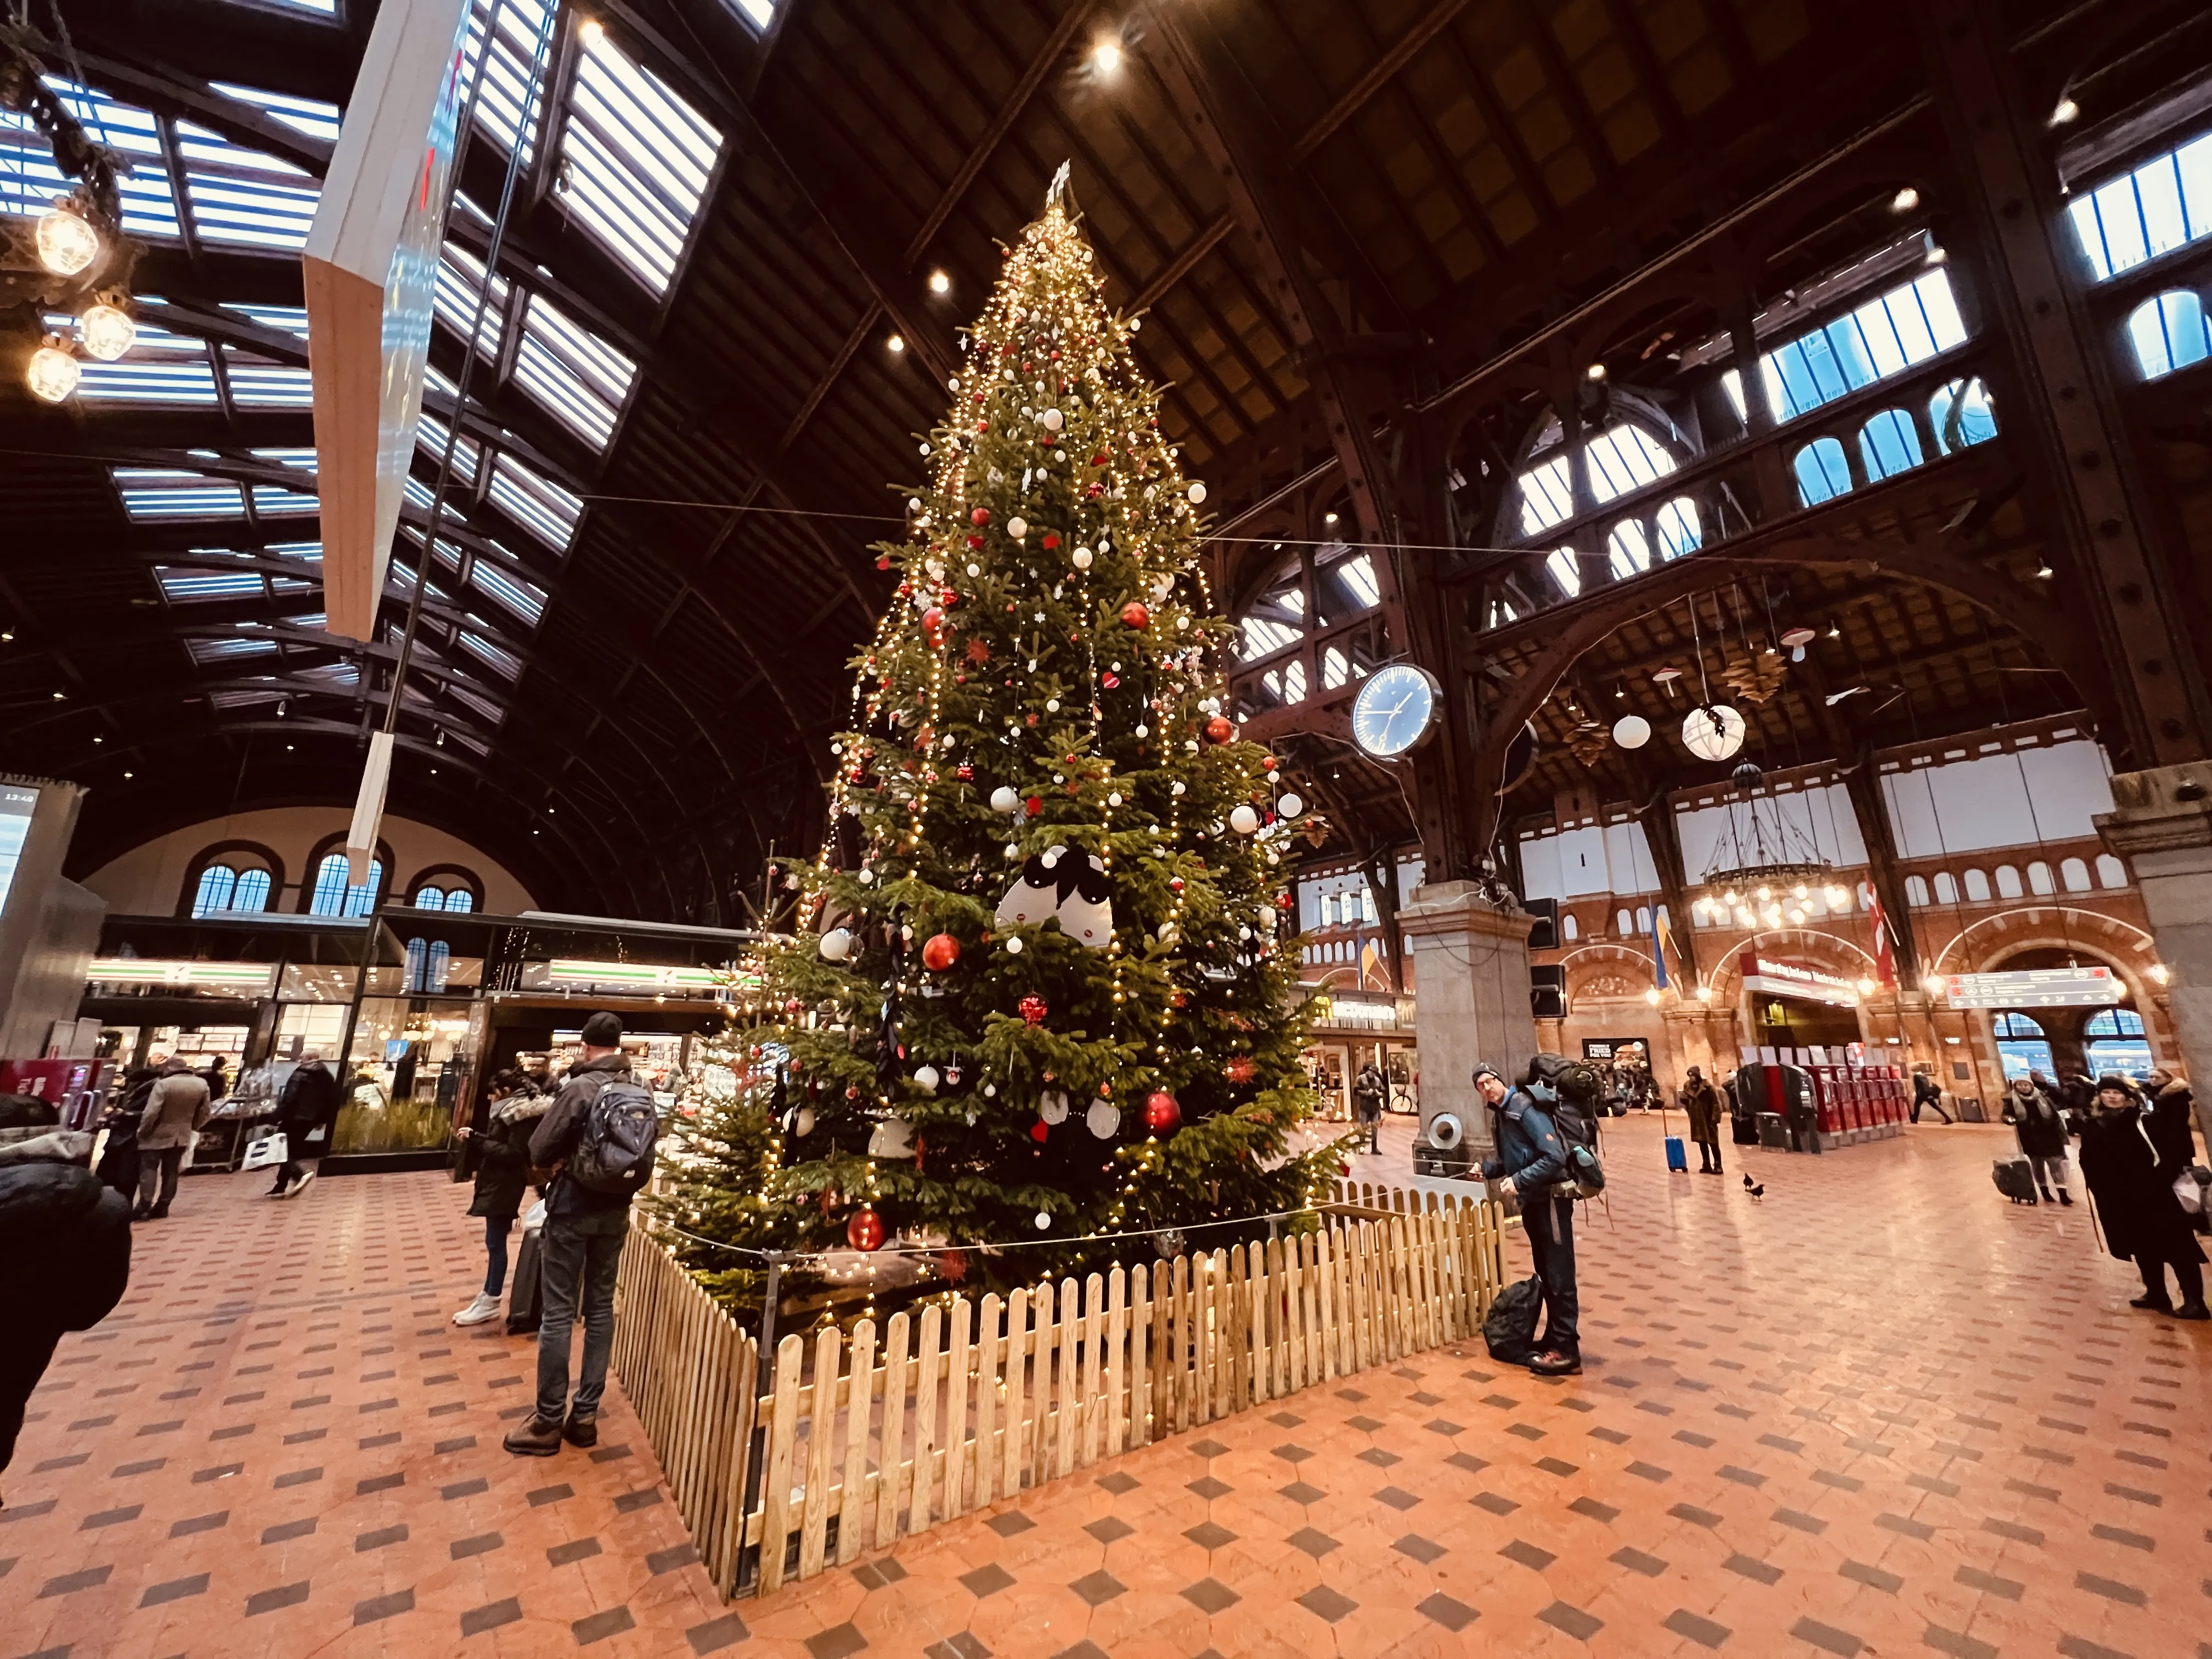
1926, 1091
2039, 1122
1367, 1092
309, 1103
501, 1152
1701, 1104
2172, 1113
118, 1159
78, 1231
1743, 1112
2143, 1220
1532, 1162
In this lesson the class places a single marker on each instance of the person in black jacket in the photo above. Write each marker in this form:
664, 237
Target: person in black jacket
77, 1232
1926, 1091
309, 1103
1367, 1092
2031, 1107
2141, 1219
119, 1160
502, 1153
1531, 1161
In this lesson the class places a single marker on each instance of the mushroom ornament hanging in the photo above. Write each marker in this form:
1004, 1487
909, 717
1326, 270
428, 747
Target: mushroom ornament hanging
1071, 886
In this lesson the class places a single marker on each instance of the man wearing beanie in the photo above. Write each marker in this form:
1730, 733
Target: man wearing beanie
581, 1244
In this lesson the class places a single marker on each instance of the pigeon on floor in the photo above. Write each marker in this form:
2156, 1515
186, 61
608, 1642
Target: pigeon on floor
1757, 1191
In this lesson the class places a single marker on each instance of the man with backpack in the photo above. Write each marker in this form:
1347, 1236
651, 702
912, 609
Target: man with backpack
1546, 1134
598, 1138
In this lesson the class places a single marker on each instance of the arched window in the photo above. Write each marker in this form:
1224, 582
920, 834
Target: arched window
2016, 1025
1947, 888
1822, 471
2021, 1046
1961, 415
1916, 890
1623, 924
1678, 527
1627, 550
334, 896
2008, 882
427, 964
2117, 1043
2114, 1022
2168, 333
2111, 872
1977, 887
2039, 878
232, 885
1569, 929
1889, 445
2075, 874
430, 898
1642, 920
1560, 561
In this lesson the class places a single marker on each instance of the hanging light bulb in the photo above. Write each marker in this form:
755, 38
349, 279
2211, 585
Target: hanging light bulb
107, 331
1632, 731
66, 244
53, 374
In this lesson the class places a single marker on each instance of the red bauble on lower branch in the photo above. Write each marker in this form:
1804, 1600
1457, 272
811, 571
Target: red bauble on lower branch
940, 952
1218, 730
1136, 615
1032, 1009
1162, 1113
865, 1231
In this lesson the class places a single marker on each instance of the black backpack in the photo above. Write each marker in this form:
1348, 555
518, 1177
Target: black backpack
1510, 1327
1569, 1090
614, 1154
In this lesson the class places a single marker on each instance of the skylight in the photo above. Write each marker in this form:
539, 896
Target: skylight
2164, 204
156, 493
509, 107
497, 656
258, 383
219, 650
243, 195
161, 367
183, 586
484, 706
526, 599
239, 696
430, 436
309, 115
288, 319
320, 7
574, 373
1884, 336
1358, 573
29, 180
460, 285
277, 499
759, 13
538, 505
634, 161
1548, 496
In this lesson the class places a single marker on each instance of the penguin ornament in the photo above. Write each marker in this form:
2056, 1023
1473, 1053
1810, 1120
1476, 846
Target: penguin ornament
1072, 886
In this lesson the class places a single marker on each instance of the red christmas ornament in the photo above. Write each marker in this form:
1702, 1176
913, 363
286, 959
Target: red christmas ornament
1037, 1131
1051, 539
933, 619
974, 541
883, 561
1218, 730
865, 1231
965, 772
1134, 615
1109, 680
1032, 1009
952, 1265
980, 515
1240, 1069
1035, 804
1162, 1112
940, 952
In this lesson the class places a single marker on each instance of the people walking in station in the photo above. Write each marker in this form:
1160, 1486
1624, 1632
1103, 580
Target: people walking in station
2033, 1108
2143, 1220
308, 1105
1926, 1091
1368, 1089
177, 1108
1701, 1103
1532, 1162
598, 1138
501, 1150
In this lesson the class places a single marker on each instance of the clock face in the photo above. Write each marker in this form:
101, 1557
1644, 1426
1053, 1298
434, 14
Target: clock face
1394, 711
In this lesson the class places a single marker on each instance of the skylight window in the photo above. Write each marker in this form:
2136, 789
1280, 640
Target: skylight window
224, 649
574, 373
538, 505
1625, 458
2164, 204
460, 285
320, 7
1548, 497
1357, 574
258, 383
278, 499
161, 367
636, 159
484, 706
508, 107
239, 696
288, 319
309, 115
497, 656
1884, 336
526, 599
185, 587
759, 13
1263, 636
430, 436
157, 493
242, 195
29, 180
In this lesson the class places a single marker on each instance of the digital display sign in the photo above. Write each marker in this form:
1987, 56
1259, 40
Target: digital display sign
17, 804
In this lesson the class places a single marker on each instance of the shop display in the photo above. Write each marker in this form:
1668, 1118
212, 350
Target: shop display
1053, 874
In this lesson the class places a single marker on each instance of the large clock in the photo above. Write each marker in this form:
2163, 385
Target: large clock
1397, 708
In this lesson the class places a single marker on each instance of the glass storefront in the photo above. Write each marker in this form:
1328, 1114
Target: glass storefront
409, 1067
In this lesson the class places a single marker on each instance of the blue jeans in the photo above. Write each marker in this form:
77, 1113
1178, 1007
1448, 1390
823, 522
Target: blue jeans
495, 1228
571, 1258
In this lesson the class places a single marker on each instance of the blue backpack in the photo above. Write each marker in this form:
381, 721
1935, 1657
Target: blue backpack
614, 1154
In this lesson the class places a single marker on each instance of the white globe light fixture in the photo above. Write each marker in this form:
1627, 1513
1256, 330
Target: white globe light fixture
53, 376
1632, 731
107, 331
1712, 732
66, 243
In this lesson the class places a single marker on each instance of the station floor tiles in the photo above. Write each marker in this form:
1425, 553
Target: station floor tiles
1879, 1411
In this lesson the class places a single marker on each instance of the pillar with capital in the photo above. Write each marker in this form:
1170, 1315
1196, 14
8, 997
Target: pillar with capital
2161, 825
1471, 962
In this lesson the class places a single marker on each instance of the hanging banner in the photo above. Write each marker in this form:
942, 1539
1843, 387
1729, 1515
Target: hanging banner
370, 269
2035, 987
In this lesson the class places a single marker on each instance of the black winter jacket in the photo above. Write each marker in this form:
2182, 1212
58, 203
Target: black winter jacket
310, 1101
1530, 1149
502, 1152
78, 1231
2135, 1203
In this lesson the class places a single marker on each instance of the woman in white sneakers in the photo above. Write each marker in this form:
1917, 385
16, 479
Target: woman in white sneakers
501, 1154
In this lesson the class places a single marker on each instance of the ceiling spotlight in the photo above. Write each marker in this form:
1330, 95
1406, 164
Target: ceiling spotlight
2066, 110
1106, 57
107, 331
129, 775
66, 244
896, 343
60, 696
2043, 571
1904, 201
1328, 518
53, 374
590, 31
1835, 629
1937, 256
97, 738
939, 283
1596, 371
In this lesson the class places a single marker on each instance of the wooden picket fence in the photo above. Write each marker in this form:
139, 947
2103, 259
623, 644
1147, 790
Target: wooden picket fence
855, 1442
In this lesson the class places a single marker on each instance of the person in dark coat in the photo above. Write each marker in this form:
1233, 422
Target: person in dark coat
2143, 1220
78, 1231
502, 1153
1367, 1092
309, 1103
1926, 1091
2031, 1107
1532, 1163
118, 1159
2171, 1112
1701, 1104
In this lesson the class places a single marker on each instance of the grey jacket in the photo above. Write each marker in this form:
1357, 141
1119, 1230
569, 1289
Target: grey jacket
175, 1110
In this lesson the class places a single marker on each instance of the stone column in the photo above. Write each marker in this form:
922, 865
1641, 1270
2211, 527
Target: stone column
1471, 962
2160, 826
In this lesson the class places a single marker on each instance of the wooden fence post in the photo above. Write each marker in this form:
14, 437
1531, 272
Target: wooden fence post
956, 1411
924, 1422
891, 1447
854, 1508
782, 1433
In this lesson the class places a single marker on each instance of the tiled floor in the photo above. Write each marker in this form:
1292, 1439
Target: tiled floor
1881, 1412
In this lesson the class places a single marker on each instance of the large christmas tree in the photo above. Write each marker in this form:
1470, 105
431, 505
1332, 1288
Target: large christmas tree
1040, 989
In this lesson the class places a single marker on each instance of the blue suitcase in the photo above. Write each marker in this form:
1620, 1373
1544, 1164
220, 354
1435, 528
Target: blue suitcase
1677, 1157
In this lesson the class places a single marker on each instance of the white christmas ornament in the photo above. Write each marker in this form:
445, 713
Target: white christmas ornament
802, 1122
1104, 1118
1632, 731
892, 1137
1176, 788
927, 1079
1162, 586
1244, 821
1080, 558
1290, 806
1052, 420
1004, 799
1045, 1221
1073, 887
836, 945
866, 877
1052, 1106
1018, 528
1197, 494
1114, 799
1014, 945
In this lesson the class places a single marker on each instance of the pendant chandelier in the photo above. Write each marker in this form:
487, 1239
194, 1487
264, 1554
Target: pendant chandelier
1765, 869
